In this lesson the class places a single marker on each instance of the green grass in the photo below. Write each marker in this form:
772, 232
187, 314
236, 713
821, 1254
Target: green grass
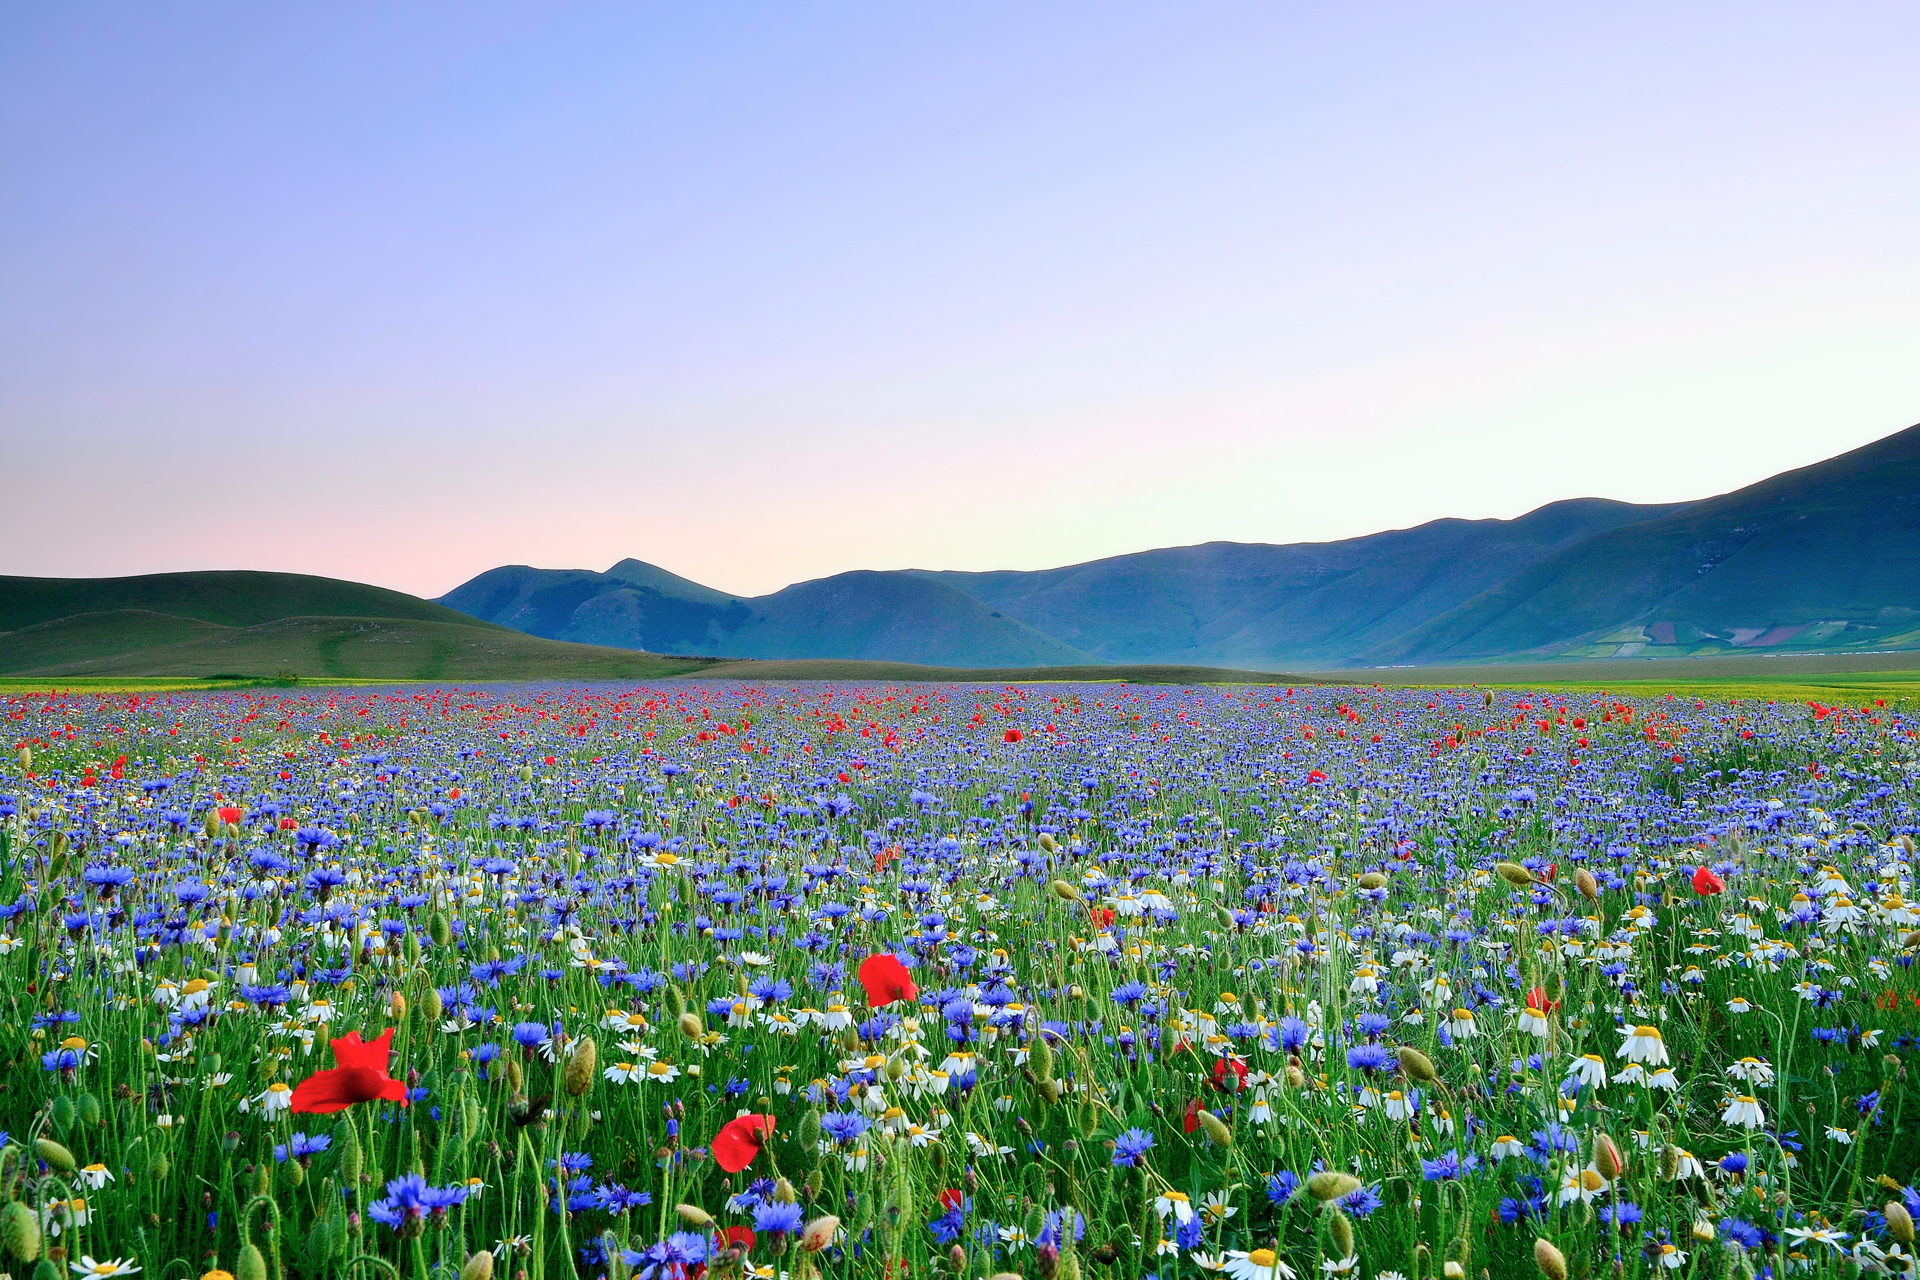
330, 649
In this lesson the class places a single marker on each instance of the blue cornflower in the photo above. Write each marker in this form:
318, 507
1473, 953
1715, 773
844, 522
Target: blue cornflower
1130, 1147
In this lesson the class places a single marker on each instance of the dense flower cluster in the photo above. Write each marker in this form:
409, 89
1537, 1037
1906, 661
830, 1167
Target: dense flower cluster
1059, 980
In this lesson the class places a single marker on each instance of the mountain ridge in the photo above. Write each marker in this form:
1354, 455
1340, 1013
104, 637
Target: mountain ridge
1580, 577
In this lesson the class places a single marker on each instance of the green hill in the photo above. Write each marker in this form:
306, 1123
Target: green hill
267, 624
1824, 557
232, 598
315, 648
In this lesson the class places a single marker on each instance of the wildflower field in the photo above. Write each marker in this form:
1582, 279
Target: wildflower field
736, 980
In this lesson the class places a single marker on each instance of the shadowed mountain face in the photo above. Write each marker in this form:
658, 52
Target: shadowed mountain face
1308, 602
1828, 555
898, 617
1824, 558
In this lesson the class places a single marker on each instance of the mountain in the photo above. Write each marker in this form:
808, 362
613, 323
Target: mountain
893, 617
1825, 558
1237, 603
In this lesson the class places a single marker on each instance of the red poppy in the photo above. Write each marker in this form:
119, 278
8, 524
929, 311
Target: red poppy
886, 980
952, 1198
1013, 735
1537, 999
1707, 884
1102, 916
232, 816
359, 1075
742, 1236
1191, 1120
1229, 1074
738, 1141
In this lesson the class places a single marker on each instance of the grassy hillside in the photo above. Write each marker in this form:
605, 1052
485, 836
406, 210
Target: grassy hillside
236, 598
1827, 555
320, 649
1254, 604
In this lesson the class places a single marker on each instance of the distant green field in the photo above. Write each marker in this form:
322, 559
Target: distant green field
142, 646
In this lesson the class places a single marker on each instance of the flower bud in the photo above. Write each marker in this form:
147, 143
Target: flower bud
1899, 1222
20, 1231
1331, 1184
693, 1215
1340, 1230
56, 1156
1514, 874
690, 1025
1552, 1263
1067, 891
1607, 1158
819, 1233
252, 1264
1588, 886
1417, 1064
581, 1064
1703, 1230
479, 1266
1216, 1128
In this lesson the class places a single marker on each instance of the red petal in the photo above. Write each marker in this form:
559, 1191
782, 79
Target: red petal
886, 980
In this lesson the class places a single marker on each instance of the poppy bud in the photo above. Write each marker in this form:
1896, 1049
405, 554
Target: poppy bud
1042, 1057
783, 1192
56, 1156
693, 1215
819, 1233
1588, 886
1417, 1064
432, 1006
1067, 891
1899, 1222
479, 1266
1373, 880
440, 929
1552, 1263
1331, 1184
20, 1231
252, 1264
1607, 1158
1217, 1129
26, 758
691, 1026
346, 1140
580, 1066
957, 1260
62, 1113
1514, 874
1340, 1231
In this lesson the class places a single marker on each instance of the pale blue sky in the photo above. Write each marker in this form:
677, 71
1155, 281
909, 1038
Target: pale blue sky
764, 292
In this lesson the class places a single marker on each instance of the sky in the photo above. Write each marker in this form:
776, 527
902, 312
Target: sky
763, 292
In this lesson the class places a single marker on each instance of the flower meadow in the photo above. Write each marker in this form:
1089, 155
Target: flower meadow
734, 980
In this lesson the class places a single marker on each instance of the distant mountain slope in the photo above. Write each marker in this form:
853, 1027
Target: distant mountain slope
1820, 559
231, 598
1832, 549
1239, 603
893, 617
